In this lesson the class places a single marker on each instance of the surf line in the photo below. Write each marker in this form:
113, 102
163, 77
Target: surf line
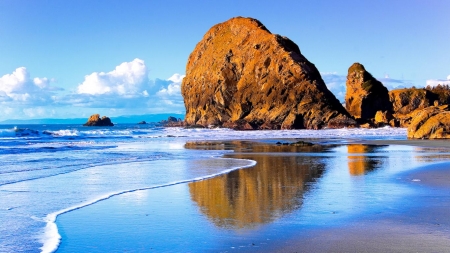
51, 238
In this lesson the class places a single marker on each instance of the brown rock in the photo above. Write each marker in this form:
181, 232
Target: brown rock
365, 95
430, 123
172, 122
383, 117
95, 120
240, 72
442, 93
405, 101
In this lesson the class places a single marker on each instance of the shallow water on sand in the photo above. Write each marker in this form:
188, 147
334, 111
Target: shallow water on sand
290, 191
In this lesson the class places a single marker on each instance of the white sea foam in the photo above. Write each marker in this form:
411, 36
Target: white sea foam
228, 134
51, 238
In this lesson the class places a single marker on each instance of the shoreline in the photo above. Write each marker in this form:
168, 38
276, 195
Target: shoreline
366, 235
51, 238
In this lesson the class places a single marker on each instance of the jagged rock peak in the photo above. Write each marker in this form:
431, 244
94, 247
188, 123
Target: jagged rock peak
365, 95
240, 75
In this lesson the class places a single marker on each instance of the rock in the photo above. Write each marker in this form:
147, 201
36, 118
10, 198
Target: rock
301, 144
172, 119
142, 122
242, 76
365, 95
430, 123
172, 122
405, 101
442, 91
95, 120
383, 117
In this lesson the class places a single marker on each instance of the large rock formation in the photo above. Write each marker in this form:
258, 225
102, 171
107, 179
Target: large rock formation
365, 95
430, 123
95, 120
240, 75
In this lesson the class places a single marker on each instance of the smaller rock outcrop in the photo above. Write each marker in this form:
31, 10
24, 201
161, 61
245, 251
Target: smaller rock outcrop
142, 122
430, 123
383, 118
405, 101
365, 95
442, 92
172, 122
95, 120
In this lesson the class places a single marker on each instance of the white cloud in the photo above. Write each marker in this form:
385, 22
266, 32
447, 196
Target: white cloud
126, 79
435, 82
177, 78
20, 88
174, 88
124, 90
37, 112
127, 88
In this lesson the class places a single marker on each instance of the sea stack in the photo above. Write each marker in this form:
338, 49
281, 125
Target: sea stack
365, 95
242, 76
95, 120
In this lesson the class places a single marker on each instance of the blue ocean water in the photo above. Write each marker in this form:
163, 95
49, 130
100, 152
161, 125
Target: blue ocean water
47, 170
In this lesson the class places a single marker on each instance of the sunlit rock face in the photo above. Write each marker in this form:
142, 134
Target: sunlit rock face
364, 94
249, 197
405, 101
242, 76
408, 102
95, 120
430, 123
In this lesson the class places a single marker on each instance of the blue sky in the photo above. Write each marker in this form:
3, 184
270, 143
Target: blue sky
65, 59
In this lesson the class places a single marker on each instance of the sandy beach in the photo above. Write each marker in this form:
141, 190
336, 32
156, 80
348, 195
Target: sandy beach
420, 224
371, 196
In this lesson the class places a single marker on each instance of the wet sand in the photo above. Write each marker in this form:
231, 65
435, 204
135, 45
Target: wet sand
421, 224
354, 197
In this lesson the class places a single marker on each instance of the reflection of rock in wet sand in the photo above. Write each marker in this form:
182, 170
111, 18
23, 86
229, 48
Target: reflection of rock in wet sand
361, 164
275, 186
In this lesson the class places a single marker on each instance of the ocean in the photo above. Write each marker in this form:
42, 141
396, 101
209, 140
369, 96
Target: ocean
48, 171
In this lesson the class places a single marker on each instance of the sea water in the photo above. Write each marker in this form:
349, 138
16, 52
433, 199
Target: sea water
48, 170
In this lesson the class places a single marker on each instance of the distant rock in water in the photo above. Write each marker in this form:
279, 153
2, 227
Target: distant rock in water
95, 120
242, 76
430, 123
365, 95
172, 122
142, 122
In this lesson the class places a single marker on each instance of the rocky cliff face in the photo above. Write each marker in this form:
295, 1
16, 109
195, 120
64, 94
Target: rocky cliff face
240, 75
365, 95
95, 120
430, 123
405, 101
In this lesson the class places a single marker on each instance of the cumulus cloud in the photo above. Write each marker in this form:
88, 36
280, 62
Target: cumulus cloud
128, 86
126, 79
20, 88
126, 89
435, 82
174, 88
